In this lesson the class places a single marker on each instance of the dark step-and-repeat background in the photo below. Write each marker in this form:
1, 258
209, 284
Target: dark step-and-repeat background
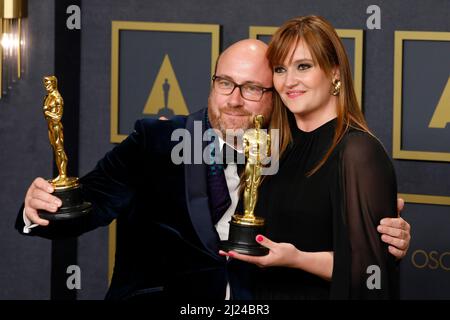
129, 59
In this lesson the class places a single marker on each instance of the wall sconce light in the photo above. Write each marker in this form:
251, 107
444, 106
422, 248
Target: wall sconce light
13, 29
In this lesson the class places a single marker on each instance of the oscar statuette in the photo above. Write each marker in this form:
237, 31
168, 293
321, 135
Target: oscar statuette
67, 189
245, 227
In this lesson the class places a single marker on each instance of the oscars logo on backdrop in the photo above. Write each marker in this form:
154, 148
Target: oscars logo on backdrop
441, 116
432, 260
166, 98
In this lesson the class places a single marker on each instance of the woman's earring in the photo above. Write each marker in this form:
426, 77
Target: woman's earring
336, 87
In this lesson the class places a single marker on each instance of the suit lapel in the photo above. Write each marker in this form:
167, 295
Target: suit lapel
197, 189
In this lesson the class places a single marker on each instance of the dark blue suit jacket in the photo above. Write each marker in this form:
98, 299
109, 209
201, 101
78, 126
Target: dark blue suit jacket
167, 245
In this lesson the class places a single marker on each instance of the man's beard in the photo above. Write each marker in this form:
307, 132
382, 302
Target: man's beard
230, 126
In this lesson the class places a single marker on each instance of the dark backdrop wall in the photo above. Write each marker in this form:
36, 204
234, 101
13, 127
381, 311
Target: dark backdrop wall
25, 268
25, 262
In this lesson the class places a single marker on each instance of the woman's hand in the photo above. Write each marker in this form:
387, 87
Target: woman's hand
280, 254
287, 255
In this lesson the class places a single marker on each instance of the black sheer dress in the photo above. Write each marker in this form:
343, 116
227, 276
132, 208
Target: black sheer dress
336, 209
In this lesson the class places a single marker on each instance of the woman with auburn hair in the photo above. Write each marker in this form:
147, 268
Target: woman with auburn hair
335, 180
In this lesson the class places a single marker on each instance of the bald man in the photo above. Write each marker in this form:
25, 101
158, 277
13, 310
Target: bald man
171, 222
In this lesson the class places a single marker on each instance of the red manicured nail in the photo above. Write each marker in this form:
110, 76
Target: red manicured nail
259, 238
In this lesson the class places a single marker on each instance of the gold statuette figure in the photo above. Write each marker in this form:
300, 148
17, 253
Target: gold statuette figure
256, 146
53, 112
245, 227
68, 189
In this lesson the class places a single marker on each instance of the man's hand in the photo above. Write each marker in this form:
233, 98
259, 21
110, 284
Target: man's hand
396, 232
39, 197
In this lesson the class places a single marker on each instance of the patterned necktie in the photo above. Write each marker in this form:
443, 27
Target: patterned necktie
218, 193
230, 154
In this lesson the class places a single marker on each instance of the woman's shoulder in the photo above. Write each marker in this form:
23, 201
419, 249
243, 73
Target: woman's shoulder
358, 145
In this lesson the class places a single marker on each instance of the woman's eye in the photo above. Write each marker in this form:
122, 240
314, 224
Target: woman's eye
303, 66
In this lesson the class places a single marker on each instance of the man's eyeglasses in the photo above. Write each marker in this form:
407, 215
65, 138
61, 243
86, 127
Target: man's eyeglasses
248, 91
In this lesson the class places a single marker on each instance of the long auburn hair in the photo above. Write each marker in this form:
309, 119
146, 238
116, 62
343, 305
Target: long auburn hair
327, 52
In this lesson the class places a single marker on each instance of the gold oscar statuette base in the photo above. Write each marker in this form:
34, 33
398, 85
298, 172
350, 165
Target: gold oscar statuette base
73, 206
242, 236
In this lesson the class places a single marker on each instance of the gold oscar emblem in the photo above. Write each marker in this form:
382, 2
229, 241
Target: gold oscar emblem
245, 227
68, 189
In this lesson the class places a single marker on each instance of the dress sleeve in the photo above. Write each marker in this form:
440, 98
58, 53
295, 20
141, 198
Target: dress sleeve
364, 268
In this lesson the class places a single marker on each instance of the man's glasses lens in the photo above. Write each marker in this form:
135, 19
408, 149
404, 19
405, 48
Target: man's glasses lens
248, 91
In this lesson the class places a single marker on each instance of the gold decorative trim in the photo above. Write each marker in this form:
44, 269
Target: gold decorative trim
398, 152
112, 236
2, 29
425, 199
355, 34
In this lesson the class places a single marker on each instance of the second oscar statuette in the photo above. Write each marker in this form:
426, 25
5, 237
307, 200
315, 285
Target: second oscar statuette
245, 227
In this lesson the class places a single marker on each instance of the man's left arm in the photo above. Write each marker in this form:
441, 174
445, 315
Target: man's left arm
396, 232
